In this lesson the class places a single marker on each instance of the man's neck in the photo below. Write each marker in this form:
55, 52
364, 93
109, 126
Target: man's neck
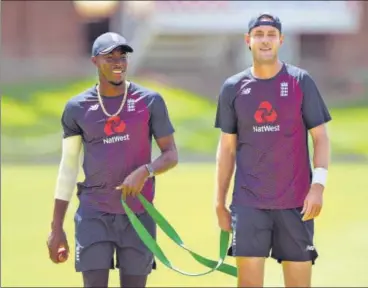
109, 90
267, 71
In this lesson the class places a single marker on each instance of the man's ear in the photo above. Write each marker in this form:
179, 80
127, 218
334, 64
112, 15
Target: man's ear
281, 39
247, 40
94, 60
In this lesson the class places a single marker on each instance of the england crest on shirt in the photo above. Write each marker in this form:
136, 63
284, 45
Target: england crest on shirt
131, 105
244, 90
284, 87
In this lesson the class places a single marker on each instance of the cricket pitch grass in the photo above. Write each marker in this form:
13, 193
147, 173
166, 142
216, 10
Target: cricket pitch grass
185, 197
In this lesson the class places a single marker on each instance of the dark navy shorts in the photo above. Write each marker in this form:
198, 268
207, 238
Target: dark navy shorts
279, 233
100, 236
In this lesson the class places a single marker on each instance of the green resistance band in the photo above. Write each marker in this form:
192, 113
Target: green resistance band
165, 226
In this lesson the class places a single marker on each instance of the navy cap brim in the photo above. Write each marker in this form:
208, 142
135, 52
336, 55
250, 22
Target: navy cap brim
126, 48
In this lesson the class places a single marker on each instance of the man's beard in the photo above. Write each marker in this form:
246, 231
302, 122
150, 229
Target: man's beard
116, 83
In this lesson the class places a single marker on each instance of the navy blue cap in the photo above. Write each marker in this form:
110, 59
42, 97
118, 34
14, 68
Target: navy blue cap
107, 42
273, 21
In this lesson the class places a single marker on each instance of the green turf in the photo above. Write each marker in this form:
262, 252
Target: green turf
26, 209
347, 130
28, 115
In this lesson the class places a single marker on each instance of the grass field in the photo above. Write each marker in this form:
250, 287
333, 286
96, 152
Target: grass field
31, 121
26, 209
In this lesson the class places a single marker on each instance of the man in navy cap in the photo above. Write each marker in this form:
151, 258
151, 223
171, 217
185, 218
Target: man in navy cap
265, 114
114, 121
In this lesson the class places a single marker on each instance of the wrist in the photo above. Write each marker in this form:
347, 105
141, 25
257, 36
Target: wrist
319, 176
56, 226
220, 205
149, 170
317, 187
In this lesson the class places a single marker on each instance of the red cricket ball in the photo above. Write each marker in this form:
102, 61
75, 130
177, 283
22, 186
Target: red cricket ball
62, 254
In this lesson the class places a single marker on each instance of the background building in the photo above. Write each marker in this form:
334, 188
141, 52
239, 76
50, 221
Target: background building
193, 44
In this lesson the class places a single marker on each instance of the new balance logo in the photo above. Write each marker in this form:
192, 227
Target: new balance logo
284, 87
246, 91
310, 248
93, 107
78, 249
131, 105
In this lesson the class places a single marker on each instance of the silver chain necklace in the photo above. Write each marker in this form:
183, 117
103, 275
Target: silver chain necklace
122, 102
